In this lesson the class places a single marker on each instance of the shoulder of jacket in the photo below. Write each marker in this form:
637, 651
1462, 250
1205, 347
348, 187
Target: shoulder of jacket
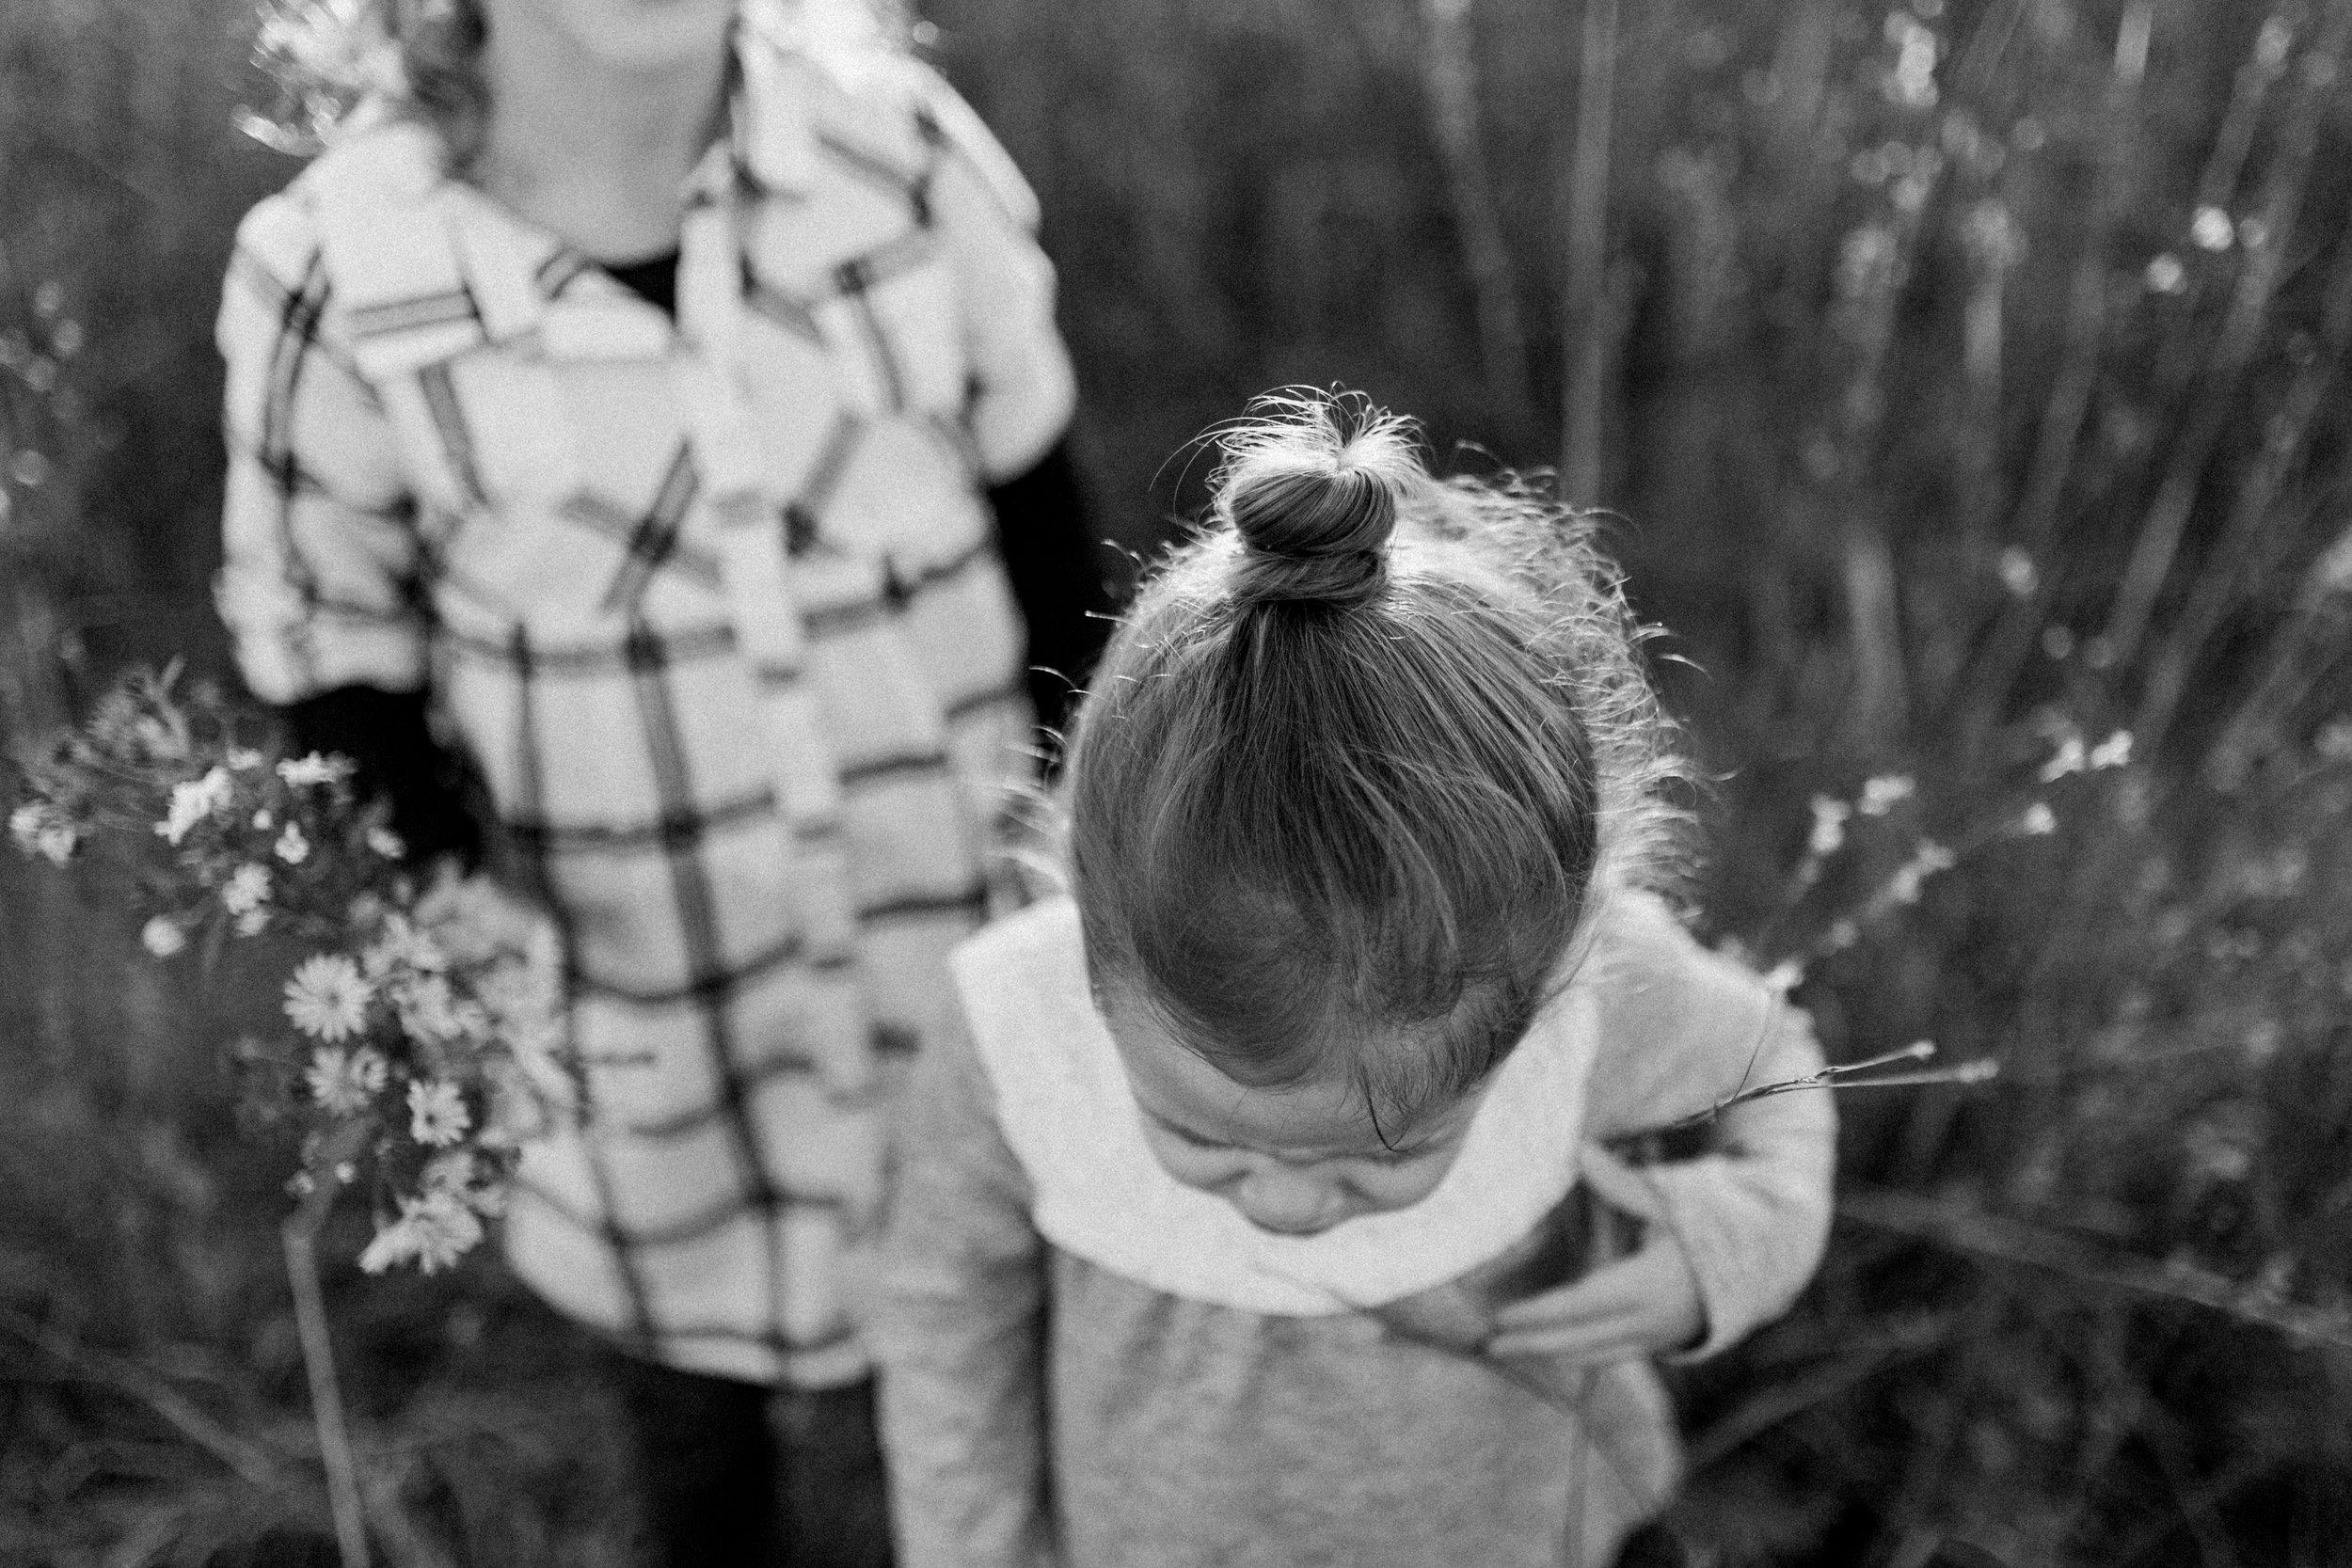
1038, 946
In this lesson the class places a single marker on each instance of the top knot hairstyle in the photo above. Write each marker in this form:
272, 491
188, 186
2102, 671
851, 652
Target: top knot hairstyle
1313, 501
1360, 762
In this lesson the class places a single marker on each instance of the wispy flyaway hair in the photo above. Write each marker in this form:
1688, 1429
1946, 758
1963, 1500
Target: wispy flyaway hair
1360, 762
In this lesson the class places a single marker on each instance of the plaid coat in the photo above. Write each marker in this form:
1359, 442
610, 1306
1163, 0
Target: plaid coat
715, 609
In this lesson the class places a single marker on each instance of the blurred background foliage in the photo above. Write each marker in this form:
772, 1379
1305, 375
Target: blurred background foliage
1967, 376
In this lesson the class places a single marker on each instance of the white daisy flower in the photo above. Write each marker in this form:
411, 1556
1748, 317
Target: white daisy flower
26, 823
433, 1231
293, 846
404, 946
327, 997
436, 1112
246, 889
433, 1014
343, 1081
193, 801
163, 937
56, 842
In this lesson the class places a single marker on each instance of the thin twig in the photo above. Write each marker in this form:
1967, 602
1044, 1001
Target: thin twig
1451, 72
1586, 305
1974, 1230
252, 1463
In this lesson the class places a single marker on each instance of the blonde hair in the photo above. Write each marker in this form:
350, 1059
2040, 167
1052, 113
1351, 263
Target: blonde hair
1360, 762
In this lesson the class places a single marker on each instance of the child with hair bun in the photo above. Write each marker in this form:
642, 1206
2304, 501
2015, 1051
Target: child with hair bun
1268, 1215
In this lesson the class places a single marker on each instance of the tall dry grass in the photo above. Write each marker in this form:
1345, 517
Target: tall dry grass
1970, 379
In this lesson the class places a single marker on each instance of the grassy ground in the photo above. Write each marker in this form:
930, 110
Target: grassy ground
1968, 376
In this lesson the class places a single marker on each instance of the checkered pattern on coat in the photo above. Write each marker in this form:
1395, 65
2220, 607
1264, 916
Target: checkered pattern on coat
716, 611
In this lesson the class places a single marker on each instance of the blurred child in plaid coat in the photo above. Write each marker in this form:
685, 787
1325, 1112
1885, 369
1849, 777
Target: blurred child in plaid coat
660, 406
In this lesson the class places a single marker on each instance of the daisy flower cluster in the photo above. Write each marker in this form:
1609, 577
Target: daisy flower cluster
422, 1043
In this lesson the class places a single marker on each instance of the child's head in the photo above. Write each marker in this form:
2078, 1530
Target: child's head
1343, 792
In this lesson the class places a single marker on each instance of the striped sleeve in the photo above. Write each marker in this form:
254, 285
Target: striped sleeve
1022, 389
318, 577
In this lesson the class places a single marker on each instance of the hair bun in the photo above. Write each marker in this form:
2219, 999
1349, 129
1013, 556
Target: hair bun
1313, 485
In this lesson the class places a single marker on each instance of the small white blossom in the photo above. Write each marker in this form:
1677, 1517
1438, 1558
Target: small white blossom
327, 997
1829, 825
56, 842
293, 846
436, 1112
244, 758
253, 922
404, 946
302, 772
2039, 819
193, 801
26, 823
432, 1014
1786, 976
2166, 276
163, 937
345, 1080
2069, 758
246, 889
2114, 751
433, 1231
2018, 574
2211, 229
1880, 795
1903, 887
263, 821
386, 843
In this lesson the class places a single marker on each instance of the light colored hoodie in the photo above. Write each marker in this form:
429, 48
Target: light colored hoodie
1087, 1364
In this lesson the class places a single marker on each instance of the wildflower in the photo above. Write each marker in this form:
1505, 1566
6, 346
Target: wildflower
433, 1231
2114, 751
2211, 229
436, 1112
1785, 977
193, 801
313, 769
453, 1172
345, 1080
1841, 935
41, 832
2018, 575
263, 821
403, 945
291, 846
1829, 825
244, 759
253, 922
2069, 758
432, 1014
1903, 887
2039, 819
247, 888
327, 997
1880, 795
163, 937
387, 844
2166, 276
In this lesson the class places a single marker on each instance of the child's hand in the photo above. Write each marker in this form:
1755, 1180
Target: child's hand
1645, 1304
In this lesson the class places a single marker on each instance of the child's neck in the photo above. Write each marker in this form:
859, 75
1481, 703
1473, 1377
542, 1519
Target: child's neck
596, 153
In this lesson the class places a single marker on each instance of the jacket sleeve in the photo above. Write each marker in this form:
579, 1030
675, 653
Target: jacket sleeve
960, 1331
318, 579
1752, 1211
1022, 388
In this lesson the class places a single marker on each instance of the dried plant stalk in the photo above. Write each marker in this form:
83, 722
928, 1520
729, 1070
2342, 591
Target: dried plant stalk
1585, 312
1450, 72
